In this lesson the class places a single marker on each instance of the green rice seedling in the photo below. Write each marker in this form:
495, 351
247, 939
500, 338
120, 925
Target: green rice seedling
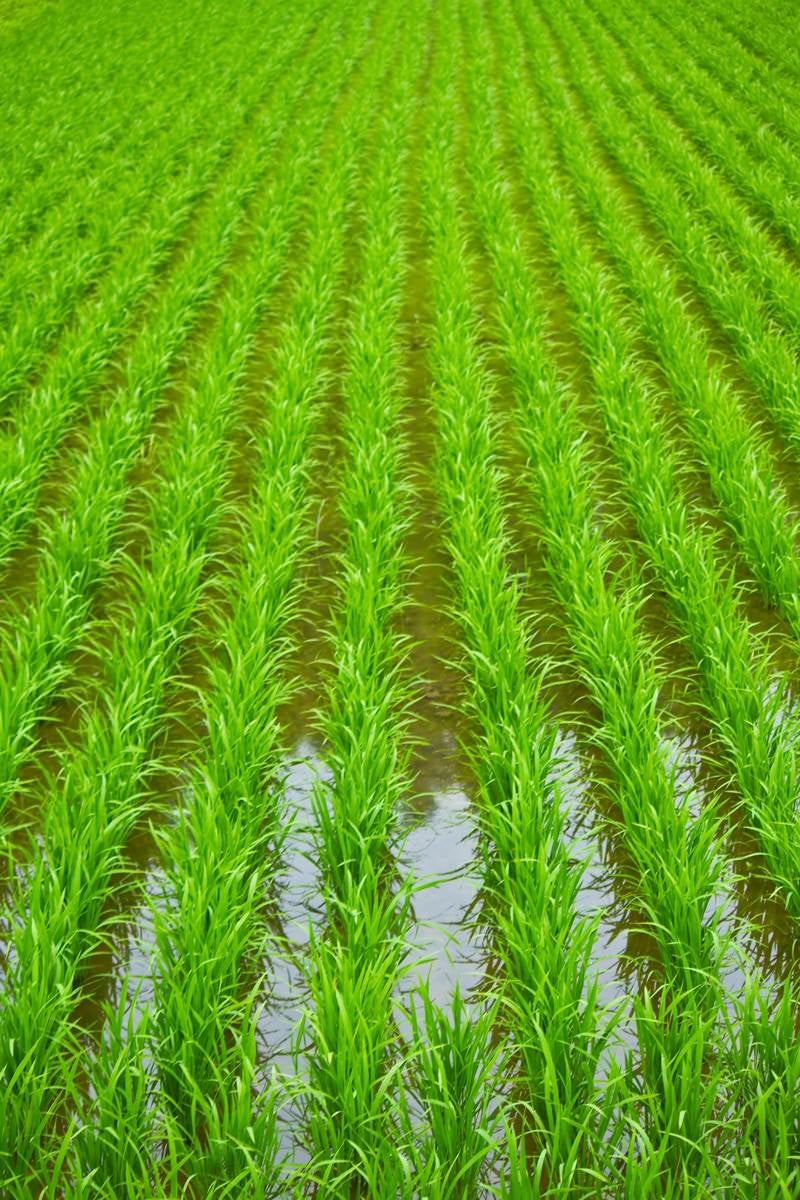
55, 400
546, 1001
753, 157
348, 1045
49, 282
353, 1095
766, 353
686, 1136
761, 46
119, 1149
762, 39
91, 811
765, 50
115, 1128
160, 169
78, 542
454, 1070
675, 855
84, 134
738, 463
98, 798
225, 851
763, 1052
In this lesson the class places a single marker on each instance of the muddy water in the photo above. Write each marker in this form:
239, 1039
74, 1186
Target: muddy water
299, 908
619, 947
440, 847
437, 852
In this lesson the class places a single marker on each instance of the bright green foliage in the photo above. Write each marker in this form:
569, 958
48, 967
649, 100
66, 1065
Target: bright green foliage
399, 430
351, 1117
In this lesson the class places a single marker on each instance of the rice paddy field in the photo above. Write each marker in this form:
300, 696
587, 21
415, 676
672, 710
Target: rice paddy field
400, 603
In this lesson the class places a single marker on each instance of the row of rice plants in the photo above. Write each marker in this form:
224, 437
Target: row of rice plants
729, 287
222, 852
752, 247
96, 333
59, 115
545, 1004
752, 155
55, 271
673, 854
78, 538
70, 377
89, 344
763, 34
749, 242
97, 797
352, 1112
762, 37
48, 207
29, 100
739, 464
769, 91
202, 1049
745, 702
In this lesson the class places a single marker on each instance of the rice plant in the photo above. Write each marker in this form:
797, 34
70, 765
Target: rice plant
348, 1035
